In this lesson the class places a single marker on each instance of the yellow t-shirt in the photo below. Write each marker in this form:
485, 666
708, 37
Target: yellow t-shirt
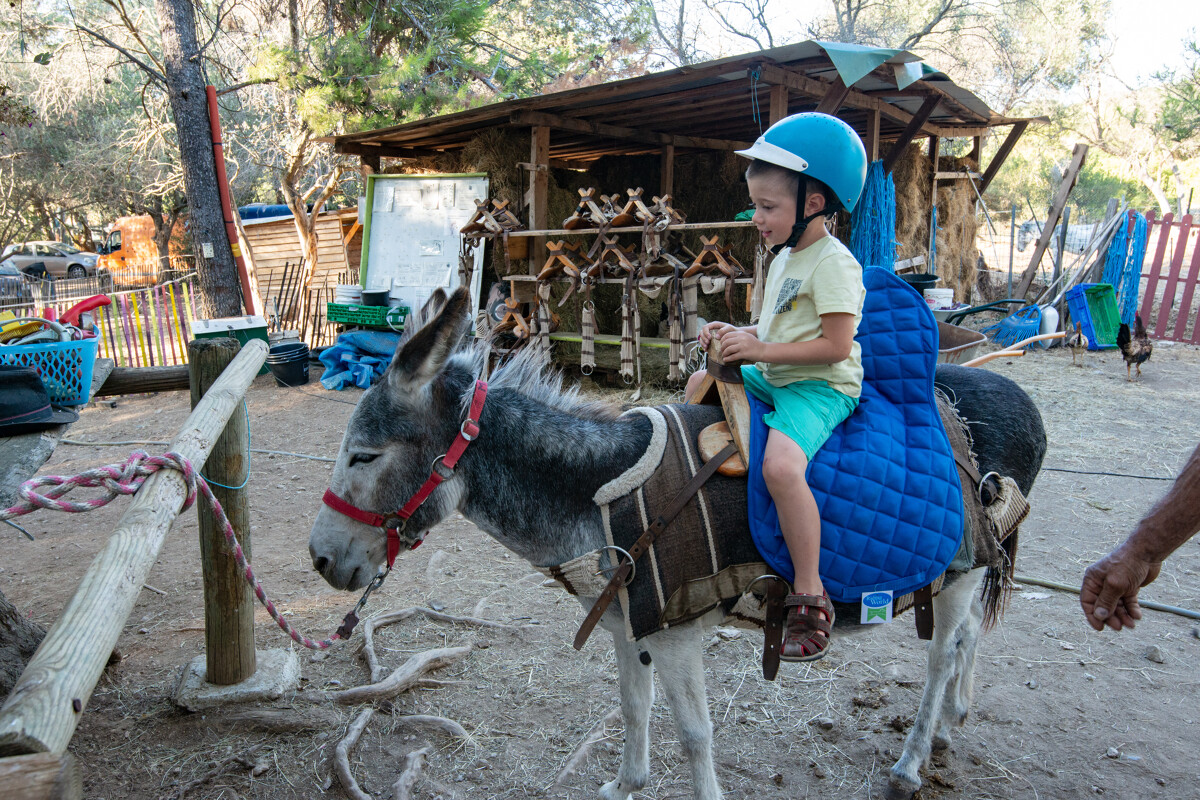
823, 278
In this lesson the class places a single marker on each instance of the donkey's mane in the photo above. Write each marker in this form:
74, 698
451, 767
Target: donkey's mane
529, 375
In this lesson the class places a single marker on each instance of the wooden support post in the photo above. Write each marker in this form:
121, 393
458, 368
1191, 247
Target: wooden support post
910, 131
228, 601
666, 181
779, 103
997, 161
40, 776
871, 140
834, 97
140, 380
538, 198
935, 147
1070, 175
45, 705
976, 153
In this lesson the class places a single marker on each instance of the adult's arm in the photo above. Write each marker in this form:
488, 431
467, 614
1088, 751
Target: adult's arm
1110, 586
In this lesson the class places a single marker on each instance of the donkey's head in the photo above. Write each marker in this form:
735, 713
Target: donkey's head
401, 425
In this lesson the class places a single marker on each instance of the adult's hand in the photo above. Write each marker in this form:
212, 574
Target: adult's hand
1110, 589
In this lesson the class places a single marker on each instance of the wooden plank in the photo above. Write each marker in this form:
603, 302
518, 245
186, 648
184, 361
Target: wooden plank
135, 380
1168, 300
373, 152
687, 226
535, 118
910, 131
871, 139
779, 102
666, 181
40, 776
834, 97
1185, 305
1070, 175
538, 199
40, 714
997, 161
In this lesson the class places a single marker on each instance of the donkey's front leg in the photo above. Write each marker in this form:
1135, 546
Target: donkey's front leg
678, 656
637, 697
951, 608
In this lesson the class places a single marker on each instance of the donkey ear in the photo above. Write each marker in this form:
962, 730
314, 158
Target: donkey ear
421, 358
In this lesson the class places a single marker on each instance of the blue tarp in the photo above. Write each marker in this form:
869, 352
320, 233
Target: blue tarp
358, 358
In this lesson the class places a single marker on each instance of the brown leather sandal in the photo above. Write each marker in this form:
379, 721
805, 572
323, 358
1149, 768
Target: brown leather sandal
809, 622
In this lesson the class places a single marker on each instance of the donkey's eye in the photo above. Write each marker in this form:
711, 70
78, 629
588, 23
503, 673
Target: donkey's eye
362, 458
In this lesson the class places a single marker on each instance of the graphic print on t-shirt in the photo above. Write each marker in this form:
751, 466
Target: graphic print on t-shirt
788, 291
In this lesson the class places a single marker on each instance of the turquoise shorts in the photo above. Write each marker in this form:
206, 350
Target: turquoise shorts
805, 411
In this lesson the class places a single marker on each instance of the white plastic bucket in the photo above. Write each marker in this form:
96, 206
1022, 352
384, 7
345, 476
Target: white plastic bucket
939, 298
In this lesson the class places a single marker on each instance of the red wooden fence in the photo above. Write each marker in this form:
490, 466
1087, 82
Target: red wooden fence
1168, 310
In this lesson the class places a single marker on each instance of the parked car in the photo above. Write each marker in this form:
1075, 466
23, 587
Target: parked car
57, 259
16, 288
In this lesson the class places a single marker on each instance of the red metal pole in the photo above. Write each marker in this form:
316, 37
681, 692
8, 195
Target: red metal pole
214, 122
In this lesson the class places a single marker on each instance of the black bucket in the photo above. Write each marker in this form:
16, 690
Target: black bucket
920, 282
289, 363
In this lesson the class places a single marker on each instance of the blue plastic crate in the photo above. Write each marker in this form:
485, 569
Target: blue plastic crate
64, 367
1094, 307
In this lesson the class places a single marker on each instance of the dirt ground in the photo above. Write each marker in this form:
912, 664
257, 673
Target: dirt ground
1060, 711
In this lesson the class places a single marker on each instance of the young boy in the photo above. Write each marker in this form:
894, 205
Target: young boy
804, 168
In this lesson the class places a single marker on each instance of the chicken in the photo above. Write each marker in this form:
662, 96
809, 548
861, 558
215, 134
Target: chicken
1078, 344
1136, 349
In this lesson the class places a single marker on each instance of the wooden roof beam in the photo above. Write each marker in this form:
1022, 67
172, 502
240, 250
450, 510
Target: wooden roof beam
914, 127
535, 118
774, 74
375, 151
997, 161
834, 97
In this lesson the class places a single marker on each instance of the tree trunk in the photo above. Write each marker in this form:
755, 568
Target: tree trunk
19, 638
219, 284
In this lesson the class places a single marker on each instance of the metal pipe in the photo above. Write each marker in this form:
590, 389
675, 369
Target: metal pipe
214, 123
1150, 604
1012, 241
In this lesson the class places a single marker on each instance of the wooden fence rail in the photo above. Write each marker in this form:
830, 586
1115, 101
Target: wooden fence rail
46, 703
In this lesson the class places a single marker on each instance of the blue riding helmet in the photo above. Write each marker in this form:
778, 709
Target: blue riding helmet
820, 146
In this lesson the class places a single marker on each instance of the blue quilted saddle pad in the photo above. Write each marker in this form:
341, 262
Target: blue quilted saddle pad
885, 482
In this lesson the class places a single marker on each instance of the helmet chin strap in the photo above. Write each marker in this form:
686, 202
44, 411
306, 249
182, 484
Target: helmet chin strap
798, 230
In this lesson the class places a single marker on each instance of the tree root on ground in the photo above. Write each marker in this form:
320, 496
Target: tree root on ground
221, 767
413, 762
596, 734
410, 674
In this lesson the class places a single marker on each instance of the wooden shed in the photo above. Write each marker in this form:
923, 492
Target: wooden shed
274, 244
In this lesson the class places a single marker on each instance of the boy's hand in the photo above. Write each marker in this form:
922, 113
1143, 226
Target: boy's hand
739, 344
711, 329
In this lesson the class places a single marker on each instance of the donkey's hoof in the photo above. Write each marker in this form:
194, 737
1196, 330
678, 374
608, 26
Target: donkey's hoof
617, 790
900, 788
940, 741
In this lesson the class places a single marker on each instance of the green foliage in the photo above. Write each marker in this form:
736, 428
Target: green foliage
1180, 112
391, 62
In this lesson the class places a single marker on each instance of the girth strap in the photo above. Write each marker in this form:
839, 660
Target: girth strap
644, 542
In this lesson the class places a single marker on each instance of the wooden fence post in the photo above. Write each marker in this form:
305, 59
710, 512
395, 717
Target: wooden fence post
228, 601
45, 705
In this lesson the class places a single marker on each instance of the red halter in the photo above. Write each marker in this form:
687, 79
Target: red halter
443, 467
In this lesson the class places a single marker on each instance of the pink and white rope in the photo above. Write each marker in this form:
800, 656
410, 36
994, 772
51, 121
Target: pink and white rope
126, 479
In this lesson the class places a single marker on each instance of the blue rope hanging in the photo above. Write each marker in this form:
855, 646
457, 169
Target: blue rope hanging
873, 223
1118, 254
1132, 277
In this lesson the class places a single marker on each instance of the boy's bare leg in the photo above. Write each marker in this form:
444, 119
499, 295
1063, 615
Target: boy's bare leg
693, 383
784, 464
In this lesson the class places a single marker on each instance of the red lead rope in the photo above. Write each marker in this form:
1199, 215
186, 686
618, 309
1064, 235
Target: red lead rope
443, 468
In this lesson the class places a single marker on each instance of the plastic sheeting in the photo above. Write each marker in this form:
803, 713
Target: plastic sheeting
358, 358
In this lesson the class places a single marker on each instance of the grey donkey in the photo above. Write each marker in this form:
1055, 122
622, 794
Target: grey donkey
529, 479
